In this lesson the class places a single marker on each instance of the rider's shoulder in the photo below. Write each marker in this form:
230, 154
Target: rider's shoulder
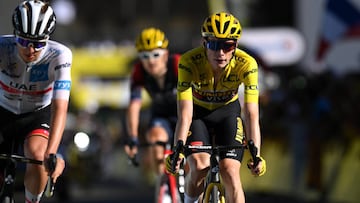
194, 54
7, 40
59, 47
194, 51
243, 56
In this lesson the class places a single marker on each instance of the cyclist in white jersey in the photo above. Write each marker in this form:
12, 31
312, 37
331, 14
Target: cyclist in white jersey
35, 86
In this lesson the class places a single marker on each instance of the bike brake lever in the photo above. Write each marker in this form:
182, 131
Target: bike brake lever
51, 164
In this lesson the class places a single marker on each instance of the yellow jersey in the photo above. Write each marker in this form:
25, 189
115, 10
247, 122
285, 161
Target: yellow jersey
196, 79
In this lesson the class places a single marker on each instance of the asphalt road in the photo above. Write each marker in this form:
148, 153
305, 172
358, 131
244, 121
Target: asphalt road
125, 191
109, 191
122, 183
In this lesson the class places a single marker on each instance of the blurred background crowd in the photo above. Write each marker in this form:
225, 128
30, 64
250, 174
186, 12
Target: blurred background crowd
309, 53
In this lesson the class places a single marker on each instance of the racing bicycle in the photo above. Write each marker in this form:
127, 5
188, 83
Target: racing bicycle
214, 191
9, 175
168, 188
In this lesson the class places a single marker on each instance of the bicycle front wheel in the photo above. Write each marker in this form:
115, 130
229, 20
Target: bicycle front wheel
8, 200
214, 194
166, 190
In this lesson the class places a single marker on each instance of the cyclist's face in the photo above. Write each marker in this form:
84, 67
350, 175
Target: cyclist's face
219, 52
154, 61
29, 50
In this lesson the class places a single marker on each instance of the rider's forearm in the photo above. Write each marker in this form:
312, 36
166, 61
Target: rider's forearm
252, 126
185, 113
59, 110
182, 129
133, 117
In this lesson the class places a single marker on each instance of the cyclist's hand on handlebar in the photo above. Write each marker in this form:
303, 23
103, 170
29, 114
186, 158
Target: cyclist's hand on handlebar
169, 163
260, 168
60, 166
174, 160
55, 166
131, 146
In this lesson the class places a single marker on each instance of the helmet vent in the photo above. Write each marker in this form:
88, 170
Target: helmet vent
34, 19
226, 26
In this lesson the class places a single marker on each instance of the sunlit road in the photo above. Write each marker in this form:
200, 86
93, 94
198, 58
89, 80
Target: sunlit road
123, 183
109, 192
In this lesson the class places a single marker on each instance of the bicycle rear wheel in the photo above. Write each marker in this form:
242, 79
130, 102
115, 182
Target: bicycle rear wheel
8, 200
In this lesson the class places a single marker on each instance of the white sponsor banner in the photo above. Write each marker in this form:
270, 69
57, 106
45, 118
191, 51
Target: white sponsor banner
344, 57
277, 46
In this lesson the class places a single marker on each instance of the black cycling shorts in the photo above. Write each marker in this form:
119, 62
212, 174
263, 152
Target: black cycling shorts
222, 127
14, 128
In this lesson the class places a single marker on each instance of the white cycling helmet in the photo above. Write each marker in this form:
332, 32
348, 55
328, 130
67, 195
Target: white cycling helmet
34, 19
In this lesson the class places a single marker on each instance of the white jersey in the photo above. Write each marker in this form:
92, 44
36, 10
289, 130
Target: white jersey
27, 87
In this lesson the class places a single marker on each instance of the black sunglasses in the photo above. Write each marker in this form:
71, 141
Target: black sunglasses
225, 45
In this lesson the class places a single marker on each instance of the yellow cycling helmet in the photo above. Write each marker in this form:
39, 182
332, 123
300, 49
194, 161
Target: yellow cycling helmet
151, 38
221, 25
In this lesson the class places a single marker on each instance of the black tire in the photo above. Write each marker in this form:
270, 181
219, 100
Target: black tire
161, 182
214, 198
167, 196
8, 200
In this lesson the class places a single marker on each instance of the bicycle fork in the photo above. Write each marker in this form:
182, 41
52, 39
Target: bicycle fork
214, 176
212, 179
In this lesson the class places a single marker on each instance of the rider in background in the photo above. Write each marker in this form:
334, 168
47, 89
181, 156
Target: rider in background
208, 104
156, 72
35, 87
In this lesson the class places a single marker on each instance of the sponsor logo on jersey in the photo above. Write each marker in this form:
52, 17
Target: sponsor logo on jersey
65, 65
251, 87
214, 96
231, 78
39, 73
187, 69
23, 87
231, 153
251, 71
45, 125
18, 88
239, 131
62, 85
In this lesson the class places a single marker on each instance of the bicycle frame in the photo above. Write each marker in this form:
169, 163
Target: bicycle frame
11, 160
214, 190
7, 190
214, 193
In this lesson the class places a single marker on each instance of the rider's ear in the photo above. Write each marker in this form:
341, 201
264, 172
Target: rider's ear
204, 42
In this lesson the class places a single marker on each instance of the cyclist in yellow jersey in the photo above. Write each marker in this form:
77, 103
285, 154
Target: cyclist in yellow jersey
209, 108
